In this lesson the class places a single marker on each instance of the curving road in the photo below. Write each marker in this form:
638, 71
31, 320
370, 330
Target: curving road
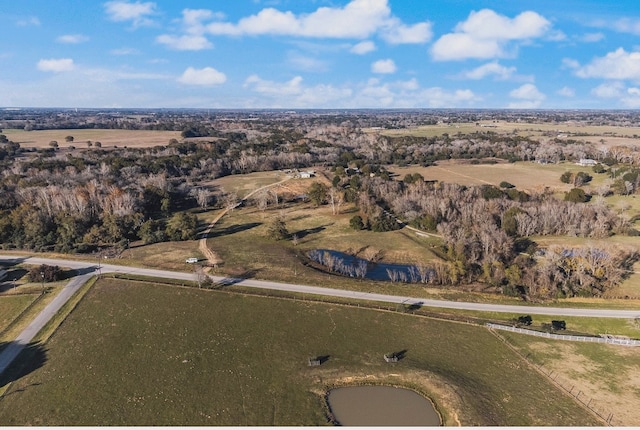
307, 289
88, 269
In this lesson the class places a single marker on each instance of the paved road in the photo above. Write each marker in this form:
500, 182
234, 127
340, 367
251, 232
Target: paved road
89, 269
306, 289
15, 347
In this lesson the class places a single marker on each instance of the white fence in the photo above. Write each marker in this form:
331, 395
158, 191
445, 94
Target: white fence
606, 339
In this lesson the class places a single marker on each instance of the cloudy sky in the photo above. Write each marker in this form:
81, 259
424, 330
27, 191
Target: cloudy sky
573, 54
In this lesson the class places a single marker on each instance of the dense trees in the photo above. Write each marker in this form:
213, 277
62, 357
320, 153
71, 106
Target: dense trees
77, 201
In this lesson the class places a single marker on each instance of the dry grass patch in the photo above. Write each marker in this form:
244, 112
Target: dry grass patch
607, 135
607, 374
165, 255
107, 137
527, 176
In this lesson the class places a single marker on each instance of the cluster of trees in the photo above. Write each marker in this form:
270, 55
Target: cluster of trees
486, 229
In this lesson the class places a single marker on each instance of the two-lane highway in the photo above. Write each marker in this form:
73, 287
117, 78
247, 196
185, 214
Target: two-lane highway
332, 292
89, 269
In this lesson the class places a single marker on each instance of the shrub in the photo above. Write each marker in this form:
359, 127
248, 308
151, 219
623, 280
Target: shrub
505, 184
491, 192
46, 273
525, 320
356, 223
566, 177
576, 195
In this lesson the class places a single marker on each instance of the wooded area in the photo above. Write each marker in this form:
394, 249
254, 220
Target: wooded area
84, 198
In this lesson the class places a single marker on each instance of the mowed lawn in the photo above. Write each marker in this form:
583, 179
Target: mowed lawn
11, 306
135, 353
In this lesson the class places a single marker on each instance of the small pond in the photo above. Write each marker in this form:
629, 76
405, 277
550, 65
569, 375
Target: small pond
348, 265
381, 406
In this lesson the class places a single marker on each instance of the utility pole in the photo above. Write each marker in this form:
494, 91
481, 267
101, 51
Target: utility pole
42, 275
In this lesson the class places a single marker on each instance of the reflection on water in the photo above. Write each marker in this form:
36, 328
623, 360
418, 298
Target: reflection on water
381, 406
348, 265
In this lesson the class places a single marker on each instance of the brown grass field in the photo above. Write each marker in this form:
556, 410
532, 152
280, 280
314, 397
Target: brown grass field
525, 175
108, 138
603, 135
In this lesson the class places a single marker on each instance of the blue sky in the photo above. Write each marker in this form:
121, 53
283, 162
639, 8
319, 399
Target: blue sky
561, 54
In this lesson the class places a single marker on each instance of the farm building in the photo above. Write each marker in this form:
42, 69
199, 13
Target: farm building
587, 162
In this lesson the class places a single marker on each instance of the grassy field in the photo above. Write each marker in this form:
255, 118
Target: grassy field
605, 376
183, 356
11, 307
527, 176
108, 138
244, 184
17, 309
602, 135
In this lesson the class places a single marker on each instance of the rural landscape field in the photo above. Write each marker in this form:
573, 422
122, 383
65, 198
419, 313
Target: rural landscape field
208, 349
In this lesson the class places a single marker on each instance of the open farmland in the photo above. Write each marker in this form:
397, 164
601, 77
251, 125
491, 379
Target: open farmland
107, 137
526, 176
607, 135
607, 374
183, 356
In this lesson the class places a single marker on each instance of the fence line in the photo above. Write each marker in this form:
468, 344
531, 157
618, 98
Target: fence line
566, 385
606, 339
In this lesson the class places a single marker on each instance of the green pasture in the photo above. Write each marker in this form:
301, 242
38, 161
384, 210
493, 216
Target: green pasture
134, 353
11, 307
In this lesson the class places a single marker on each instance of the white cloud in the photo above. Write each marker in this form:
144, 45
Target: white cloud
591, 37
357, 19
363, 47
185, 42
627, 97
306, 63
137, 12
384, 66
207, 76
570, 63
28, 22
485, 34
608, 90
528, 97
628, 25
398, 33
72, 38
566, 92
56, 65
436, 97
291, 87
490, 69
460, 46
124, 51
618, 64
633, 98
372, 93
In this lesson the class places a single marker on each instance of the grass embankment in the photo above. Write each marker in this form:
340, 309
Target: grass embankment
17, 310
11, 307
135, 353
